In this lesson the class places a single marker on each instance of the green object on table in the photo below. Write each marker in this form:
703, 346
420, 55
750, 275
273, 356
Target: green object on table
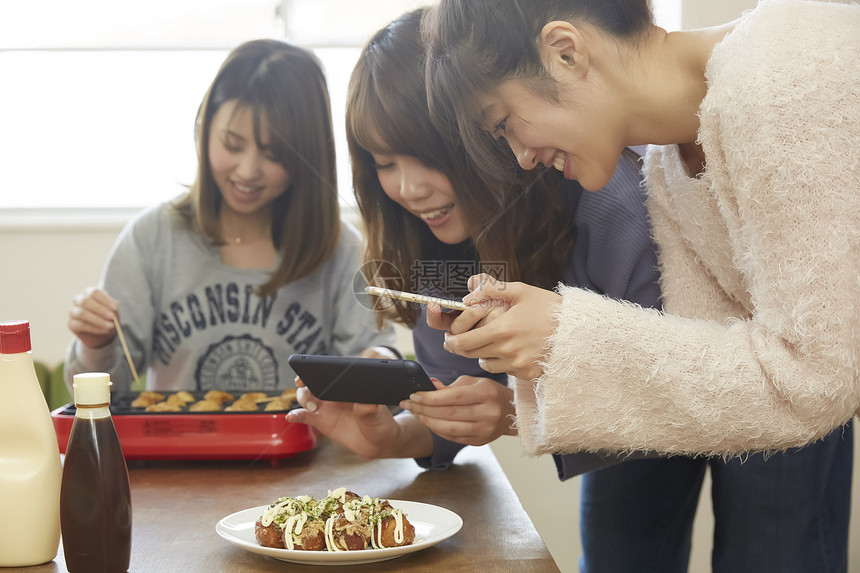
57, 394
140, 385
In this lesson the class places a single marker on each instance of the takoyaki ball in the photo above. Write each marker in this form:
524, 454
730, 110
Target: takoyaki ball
205, 406
312, 537
278, 404
185, 395
387, 535
163, 407
347, 497
146, 398
289, 394
176, 400
219, 396
269, 536
349, 535
384, 505
180, 398
254, 396
242, 405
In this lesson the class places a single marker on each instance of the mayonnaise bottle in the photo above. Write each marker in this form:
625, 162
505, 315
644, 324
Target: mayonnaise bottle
30, 471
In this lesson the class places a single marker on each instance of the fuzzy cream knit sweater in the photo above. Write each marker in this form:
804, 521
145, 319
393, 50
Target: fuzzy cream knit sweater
759, 346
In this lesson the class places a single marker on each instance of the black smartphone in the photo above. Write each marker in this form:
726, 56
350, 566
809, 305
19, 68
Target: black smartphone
362, 380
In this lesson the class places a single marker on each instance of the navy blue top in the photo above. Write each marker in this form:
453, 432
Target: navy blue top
613, 255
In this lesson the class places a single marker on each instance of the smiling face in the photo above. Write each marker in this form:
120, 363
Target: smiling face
577, 139
425, 192
248, 176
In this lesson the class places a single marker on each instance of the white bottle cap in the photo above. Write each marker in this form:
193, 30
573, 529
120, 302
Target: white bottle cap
92, 388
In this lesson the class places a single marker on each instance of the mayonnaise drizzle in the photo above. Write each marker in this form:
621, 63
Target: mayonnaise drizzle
398, 525
269, 515
294, 525
376, 540
373, 538
329, 534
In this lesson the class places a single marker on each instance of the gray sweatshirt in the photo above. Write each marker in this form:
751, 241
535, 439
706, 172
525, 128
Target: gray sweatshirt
194, 323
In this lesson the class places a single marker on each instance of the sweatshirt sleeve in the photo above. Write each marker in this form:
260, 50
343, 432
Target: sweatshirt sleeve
128, 277
722, 380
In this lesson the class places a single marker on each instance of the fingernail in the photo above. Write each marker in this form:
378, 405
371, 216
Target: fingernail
311, 406
415, 398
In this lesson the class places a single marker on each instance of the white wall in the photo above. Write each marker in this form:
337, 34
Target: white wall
43, 268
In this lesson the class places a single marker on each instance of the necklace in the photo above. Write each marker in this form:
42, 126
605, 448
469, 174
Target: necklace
251, 234
241, 241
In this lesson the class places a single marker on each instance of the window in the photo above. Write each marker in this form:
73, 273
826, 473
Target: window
100, 96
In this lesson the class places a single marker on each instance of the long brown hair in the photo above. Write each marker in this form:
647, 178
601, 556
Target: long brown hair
475, 45
285, 87
523, 226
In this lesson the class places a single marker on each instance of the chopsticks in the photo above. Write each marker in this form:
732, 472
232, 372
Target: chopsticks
125, 349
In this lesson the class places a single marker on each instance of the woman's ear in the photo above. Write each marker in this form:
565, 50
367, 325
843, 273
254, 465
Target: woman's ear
563, 48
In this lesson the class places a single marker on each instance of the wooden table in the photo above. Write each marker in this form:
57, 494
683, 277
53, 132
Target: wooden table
177, 504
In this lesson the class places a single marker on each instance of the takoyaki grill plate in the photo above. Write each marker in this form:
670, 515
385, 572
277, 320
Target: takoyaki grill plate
187, 435
432, 525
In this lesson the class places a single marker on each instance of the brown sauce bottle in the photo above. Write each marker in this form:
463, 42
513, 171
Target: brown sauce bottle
95, 498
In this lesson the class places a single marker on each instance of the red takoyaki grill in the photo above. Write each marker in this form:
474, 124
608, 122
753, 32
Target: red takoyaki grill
188, 435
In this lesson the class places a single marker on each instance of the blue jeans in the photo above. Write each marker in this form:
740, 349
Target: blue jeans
787, 513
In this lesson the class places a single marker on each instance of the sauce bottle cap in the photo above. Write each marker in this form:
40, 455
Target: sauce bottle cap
92, 388
14, 337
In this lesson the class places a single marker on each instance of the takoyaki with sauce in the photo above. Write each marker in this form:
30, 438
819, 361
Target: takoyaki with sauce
305, 532
269, 528
390, 528
344, 534
342, 521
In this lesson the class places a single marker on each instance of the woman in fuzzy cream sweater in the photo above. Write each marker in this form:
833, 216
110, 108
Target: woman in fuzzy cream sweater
754, 194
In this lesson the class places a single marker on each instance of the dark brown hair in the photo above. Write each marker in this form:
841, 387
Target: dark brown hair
285, 88
475, 45
522, 225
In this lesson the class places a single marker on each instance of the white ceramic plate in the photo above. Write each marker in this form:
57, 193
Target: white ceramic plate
432, 525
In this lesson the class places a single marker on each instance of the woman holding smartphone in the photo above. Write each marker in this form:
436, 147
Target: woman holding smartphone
428, 219
755, 210
753, 196
428, 225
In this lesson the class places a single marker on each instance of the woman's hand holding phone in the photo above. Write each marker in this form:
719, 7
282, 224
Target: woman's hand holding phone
370, 430
472, 410
367, 429
505, 326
